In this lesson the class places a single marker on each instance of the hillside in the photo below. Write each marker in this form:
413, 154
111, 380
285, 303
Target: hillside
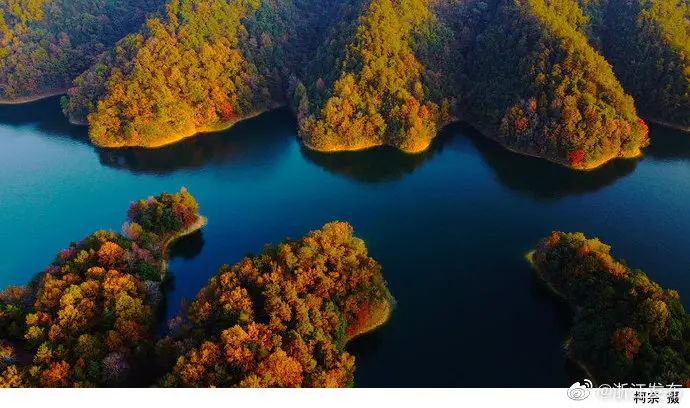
364, 73
45, 44
626, 328
648, 44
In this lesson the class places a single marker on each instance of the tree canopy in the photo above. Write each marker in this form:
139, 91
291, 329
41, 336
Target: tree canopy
89, 318
648, 44
45, 44
281, 318
534, 75
626, 327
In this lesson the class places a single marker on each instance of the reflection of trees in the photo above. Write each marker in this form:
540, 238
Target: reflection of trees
46, 115
668, 144
376, 165
255, 141
541, 179
189, 246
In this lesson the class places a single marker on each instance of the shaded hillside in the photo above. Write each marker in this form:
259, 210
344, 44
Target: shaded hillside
539, 88
45, 44
648, 44
365, 73
626, 328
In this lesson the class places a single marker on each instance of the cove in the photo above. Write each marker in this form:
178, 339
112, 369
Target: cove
450, 227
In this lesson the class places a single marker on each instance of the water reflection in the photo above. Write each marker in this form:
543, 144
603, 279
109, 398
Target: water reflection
542, 180
188, 247
377, 165
668, 144
254, 142
535, 177
46, 115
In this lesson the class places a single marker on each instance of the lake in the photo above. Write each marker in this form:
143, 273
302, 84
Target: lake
450, 227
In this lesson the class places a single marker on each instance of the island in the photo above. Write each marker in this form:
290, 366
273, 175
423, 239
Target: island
279, 319
626, 328
89, 319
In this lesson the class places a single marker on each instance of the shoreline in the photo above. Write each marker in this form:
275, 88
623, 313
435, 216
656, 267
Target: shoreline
199, 224
669, 124
485, 133
377, 320
363, 147
566, 345
366, 146
220, 127
28, 99
590, 167
75, 122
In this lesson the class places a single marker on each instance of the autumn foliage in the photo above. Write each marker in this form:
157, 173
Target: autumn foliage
88, 319
182, 74
379, 97
45, 44
626, 327
279, 319
164, 215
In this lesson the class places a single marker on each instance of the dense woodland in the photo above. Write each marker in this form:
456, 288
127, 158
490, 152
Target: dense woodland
537, 85
281, 318
379, 97
45, 44
648, 44
534, 75
626, 328
89, 318
181, 75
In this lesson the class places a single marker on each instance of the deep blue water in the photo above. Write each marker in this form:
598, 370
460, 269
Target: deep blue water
450, 228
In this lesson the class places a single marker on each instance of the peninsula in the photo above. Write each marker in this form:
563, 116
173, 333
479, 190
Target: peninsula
282, 318
625, 327
366, 73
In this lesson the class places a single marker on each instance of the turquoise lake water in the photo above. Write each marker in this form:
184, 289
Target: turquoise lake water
450, 228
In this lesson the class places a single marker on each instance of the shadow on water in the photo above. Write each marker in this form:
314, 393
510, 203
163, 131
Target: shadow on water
188, 248
46, 115
534, 177
543, 180
542, 294
256, 141
377, 165
668, 144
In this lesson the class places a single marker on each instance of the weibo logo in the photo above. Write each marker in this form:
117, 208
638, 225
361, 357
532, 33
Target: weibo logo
579, 392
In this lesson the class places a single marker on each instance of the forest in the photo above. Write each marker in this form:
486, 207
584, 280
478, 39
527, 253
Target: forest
89, 319
46, 44
626, 328
559, 79
277, 319
648, 45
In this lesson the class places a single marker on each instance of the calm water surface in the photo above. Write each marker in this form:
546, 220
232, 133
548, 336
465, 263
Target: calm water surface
450, 227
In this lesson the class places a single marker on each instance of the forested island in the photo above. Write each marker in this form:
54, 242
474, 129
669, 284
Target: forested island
281, 318
89, 318
626, 328
562, 79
